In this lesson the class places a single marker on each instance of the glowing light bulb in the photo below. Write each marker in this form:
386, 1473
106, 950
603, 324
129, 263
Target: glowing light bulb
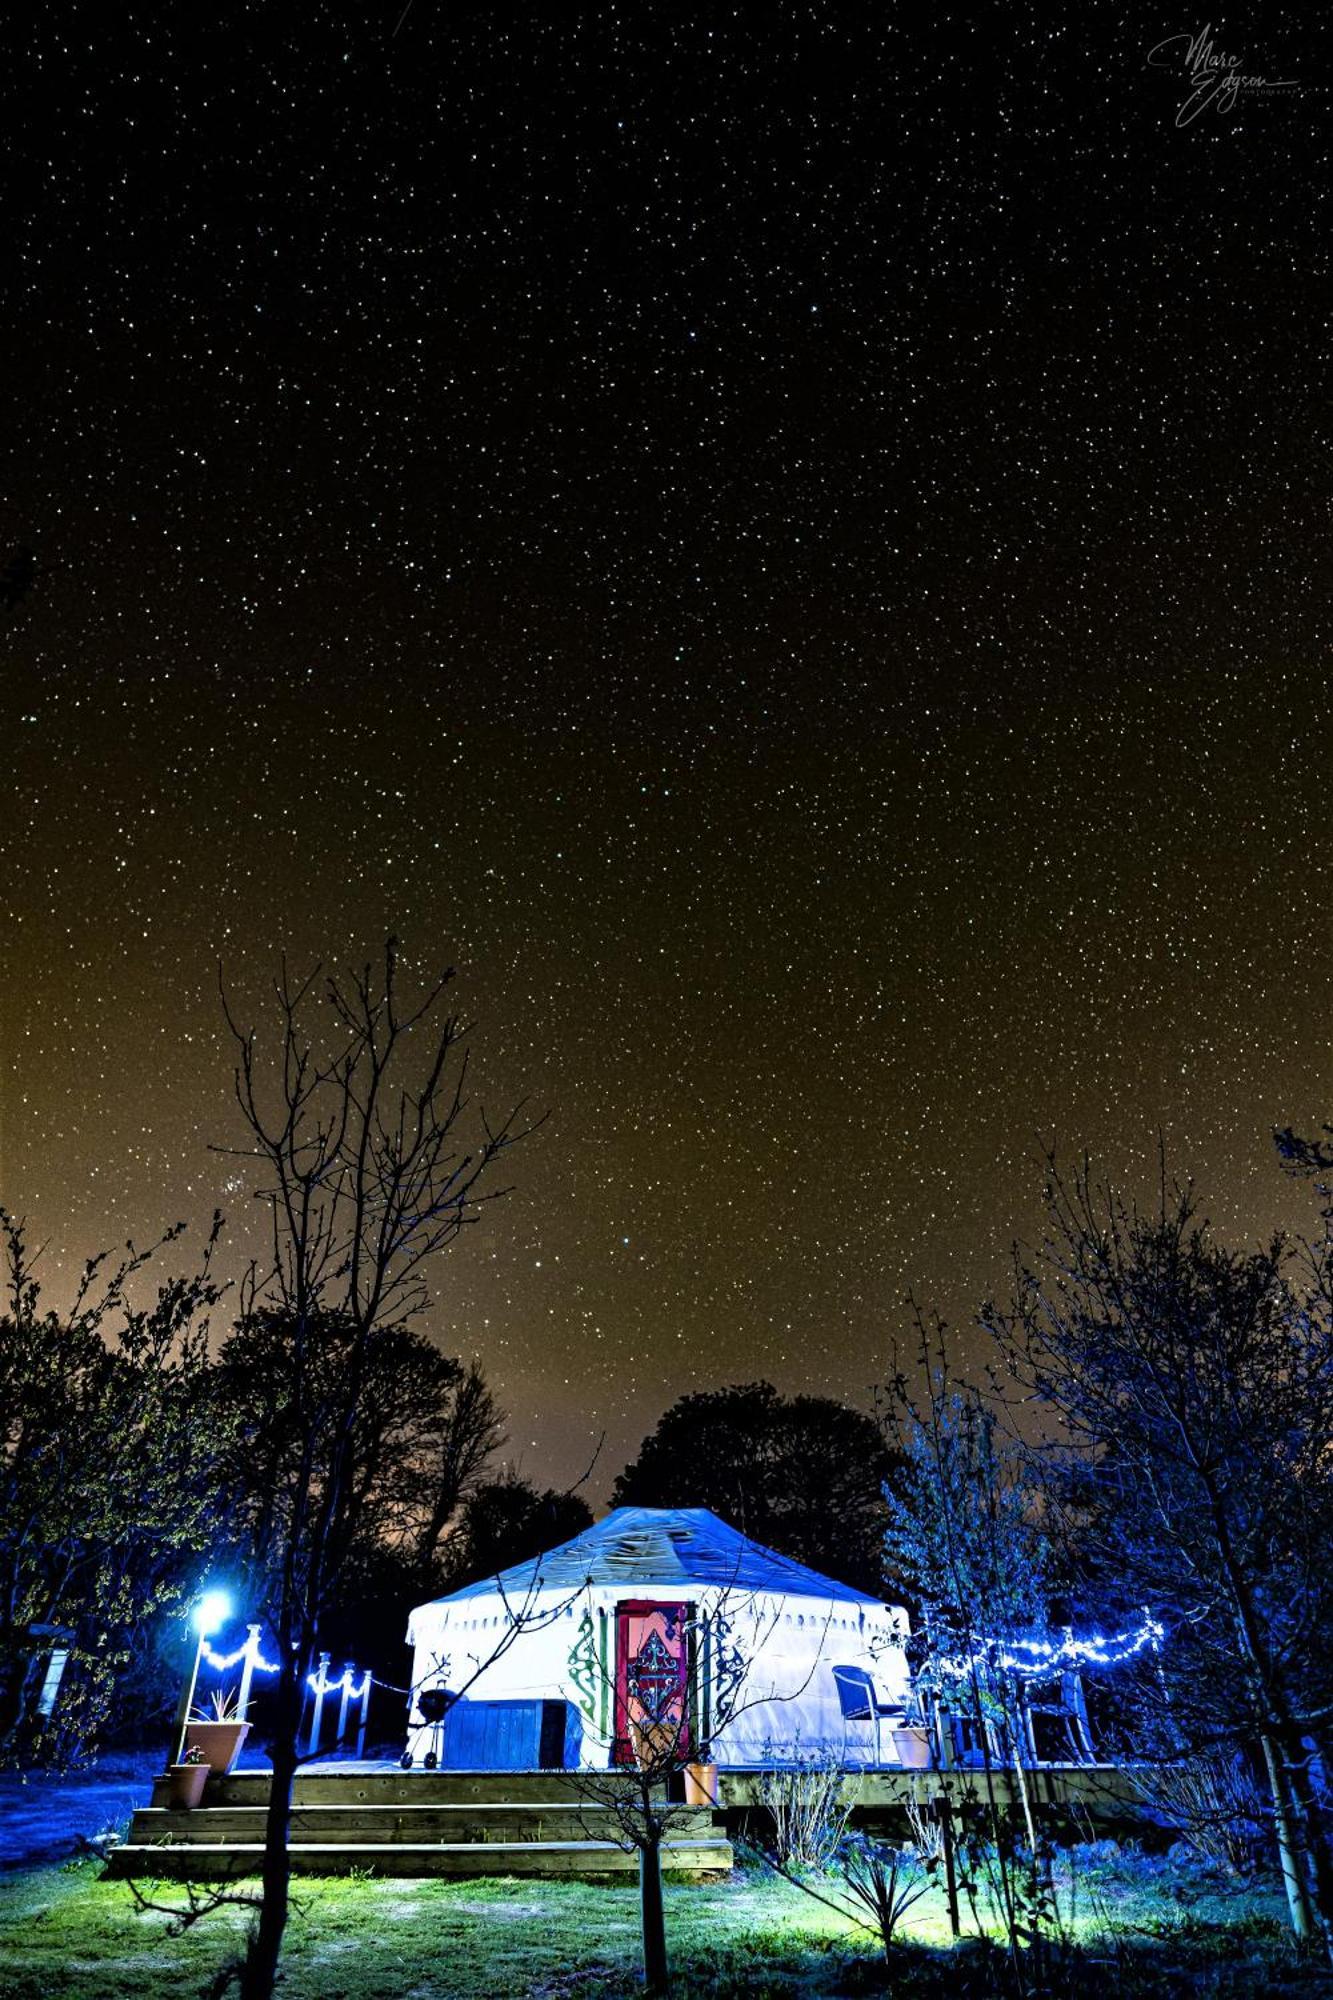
211, 1612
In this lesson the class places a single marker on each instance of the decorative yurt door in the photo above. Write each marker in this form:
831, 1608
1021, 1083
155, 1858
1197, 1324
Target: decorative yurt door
652, 1680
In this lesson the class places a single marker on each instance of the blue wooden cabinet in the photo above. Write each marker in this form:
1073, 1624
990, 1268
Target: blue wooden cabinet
511, 1736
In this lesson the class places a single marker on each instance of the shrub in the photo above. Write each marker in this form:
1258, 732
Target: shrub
811, 1801
1214, 1806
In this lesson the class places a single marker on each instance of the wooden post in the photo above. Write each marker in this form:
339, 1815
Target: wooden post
1079, 1729
365, 1711
944, 1734
1028, 1726
248, 1671
317, 1711
185, 1704
346, 1684
944, 1809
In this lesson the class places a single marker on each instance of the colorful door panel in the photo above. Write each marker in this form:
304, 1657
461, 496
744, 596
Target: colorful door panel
652, 1681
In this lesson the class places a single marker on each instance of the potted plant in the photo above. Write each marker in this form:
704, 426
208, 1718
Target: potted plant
186, 1781
911, 1741
217, 1732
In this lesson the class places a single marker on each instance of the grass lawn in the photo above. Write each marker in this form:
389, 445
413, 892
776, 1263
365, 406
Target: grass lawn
1151, 1929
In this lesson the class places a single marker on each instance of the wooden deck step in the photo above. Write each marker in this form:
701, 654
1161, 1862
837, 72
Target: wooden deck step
418, 1825
386, 1784
408, 1823
200, 1862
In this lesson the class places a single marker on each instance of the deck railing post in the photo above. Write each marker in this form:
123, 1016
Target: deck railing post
943, 1735
248, 1671
321, 1685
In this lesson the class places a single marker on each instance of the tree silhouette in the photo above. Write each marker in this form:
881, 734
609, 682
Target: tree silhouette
111, 1451
803, 1475
357, 1121
1193, 1389
507, 1521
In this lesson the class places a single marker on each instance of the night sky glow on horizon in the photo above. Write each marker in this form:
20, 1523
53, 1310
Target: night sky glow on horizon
790, 546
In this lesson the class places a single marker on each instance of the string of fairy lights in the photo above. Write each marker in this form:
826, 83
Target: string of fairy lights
1043, 1659
318, 1681
1025, 1659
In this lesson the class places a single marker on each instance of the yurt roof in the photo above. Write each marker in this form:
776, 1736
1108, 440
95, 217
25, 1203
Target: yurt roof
660, 1547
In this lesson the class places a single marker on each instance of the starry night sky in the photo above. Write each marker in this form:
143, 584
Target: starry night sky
792, 546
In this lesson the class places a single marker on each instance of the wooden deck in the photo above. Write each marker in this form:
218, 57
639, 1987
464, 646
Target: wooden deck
1103, 1794
409, 1823
379, 1818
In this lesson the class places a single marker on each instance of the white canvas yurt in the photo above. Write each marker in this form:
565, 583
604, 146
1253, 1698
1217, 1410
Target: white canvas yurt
655, 1612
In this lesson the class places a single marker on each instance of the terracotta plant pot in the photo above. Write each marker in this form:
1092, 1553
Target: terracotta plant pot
701, 1784
911, 1745
220, 1742
185, 1785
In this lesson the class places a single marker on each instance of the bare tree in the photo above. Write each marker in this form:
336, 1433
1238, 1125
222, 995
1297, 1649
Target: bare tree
637, 1796
360, 1136
657, 1742
1193, 1389
963, 1537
